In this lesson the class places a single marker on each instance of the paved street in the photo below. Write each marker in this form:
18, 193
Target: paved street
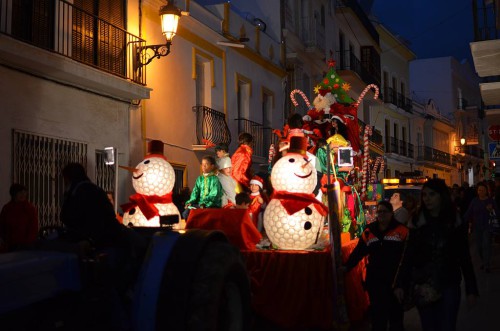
483, 316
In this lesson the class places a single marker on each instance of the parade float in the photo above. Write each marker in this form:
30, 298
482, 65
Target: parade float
332, 129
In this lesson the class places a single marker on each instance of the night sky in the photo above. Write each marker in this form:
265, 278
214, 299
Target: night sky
434, 28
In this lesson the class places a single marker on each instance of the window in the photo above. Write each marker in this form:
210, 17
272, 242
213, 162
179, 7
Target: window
37, 164
267, 108
342, 55
386, 87
244, 92
387, 135
102, 45
204, 77
180, 171
33, 22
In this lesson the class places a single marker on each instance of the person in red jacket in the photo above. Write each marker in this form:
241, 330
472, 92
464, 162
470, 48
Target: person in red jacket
18, 220
242, 162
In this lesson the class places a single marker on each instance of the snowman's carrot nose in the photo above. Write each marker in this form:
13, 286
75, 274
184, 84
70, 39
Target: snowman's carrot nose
307, 161
131, 169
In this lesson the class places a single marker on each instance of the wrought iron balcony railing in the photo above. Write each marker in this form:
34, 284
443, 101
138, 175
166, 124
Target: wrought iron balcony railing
211, 126
426, 153
62, 28
390, 95
347, 60
263, 137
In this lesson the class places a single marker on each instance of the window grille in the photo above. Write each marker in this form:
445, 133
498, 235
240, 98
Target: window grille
37, 164
104, 173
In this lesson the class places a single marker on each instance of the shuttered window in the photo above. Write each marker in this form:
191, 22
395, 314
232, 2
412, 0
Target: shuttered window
96, 42
33, 22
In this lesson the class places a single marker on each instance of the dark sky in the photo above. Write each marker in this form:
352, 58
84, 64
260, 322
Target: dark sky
434, 28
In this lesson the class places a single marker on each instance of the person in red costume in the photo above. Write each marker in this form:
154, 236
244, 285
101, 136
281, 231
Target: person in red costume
258, 200
18, 221
242, 162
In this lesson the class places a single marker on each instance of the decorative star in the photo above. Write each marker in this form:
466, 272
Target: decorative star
346, 86
316, 89
331, 63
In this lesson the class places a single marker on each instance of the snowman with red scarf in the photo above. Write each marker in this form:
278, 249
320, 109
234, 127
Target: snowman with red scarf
293, 217
153, 180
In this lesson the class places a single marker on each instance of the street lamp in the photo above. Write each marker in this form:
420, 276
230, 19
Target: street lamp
169, 15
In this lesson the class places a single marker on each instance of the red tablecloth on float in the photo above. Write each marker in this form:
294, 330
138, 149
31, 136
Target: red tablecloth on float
235, 223
294, 289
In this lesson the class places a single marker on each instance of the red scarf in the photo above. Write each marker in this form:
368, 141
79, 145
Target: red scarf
293, 202
146, 203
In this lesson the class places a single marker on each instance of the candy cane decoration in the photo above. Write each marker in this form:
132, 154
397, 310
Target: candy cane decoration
302, 94
374, 170
368, 132
362, 95
379, 164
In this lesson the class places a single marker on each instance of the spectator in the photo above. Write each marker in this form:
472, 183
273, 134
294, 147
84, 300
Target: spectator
401, 214
435, 259
383, 241
478, 213
87, 212
207, 191
18, 221
242, 162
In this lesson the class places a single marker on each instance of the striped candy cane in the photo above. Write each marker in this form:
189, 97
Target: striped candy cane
368, 132
302, 94
362, 95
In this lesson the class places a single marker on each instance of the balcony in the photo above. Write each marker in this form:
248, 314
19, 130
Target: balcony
400, 147
430, 154
348, 61
390, 95
64, 29
375, 139
263, 137
313, 36
211, 126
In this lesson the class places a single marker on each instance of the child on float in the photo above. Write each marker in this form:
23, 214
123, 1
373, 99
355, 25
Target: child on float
222, 153
242, 162
258, 202
207, 190
227, 182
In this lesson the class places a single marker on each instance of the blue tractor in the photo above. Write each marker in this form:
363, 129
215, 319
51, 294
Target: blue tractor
184, 280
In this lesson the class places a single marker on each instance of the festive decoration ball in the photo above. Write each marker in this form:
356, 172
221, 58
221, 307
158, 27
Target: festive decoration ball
154, 176
293, 173
291, 232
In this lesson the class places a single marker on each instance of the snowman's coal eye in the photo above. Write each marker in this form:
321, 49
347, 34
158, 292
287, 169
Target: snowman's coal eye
146, 162
292, 160
307, 225
308, 211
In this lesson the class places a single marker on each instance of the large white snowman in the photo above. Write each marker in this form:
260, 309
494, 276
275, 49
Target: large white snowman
293, 217
153, 180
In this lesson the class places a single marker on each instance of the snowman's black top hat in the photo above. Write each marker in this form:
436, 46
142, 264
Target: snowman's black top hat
298, 145
155, 147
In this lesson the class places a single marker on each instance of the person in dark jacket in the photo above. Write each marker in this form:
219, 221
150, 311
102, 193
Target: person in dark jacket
383, 241
436, 258
87, 212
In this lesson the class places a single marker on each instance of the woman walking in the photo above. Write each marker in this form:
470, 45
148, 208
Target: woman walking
436, 258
